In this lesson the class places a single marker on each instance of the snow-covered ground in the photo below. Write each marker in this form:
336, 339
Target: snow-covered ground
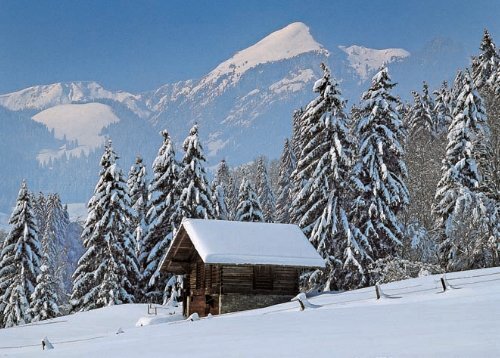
415, 320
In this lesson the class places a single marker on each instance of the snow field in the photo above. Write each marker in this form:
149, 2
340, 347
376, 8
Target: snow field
462, 322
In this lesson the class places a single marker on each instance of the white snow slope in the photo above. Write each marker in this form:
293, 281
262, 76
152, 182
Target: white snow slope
366, 60
462, 322
81, 122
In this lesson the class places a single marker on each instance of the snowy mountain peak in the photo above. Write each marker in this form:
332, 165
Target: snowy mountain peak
46, 96
288, 42
366, 60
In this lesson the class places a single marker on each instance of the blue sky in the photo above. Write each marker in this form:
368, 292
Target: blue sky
140, 45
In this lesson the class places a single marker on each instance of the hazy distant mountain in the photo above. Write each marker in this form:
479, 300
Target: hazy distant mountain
243, 108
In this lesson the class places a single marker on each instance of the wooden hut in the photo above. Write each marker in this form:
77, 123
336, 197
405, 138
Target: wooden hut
233, 266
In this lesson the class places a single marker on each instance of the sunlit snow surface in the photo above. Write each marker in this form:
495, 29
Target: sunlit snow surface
461, 322
81, 122
366, 60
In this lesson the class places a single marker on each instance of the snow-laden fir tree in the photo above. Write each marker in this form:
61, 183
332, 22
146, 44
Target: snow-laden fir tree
249, 208
460, 166
342, 245
163, 195
231, 197
138, 192
473, 232
308, 199
107, 273
380, 171
486, 64
485, 71
442, 107
287, 165
219, 201
195, 200
422, 116
224, 178
423, 146
19, 262
296, 142
55, 239
264, 191
45, 298
494, 81
40, 208
418, 120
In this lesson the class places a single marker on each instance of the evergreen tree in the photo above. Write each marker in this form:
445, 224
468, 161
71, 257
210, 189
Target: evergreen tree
40, 208
264, 191
473, 232
55, 238
224, 179
231, 197
162, 198
486, 64
195, 198
442, 107
19, 262
337, 240
460, 167
422, 115
485, 71
107, 273
308, 199
219, 201
379, 174
287, 165
44, 299
138, 192
296, 142
249, 208
494, 81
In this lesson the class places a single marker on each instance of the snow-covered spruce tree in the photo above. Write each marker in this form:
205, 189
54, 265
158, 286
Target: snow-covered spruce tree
162, 197
494, 81
55, 238
442, 107
19, 262
138, 192
249, 208
287, 165
40, 208
231, 197
422, 115
264, 191
44, 299
485, 71
195, 200
342, 245
486, 64
308, 200
380, 171
107, 273
424, 144
296, 142
473, 232
224, 178
219, 201
417, 119
460, 166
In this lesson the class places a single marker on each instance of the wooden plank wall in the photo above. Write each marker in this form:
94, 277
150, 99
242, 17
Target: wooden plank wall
240, 279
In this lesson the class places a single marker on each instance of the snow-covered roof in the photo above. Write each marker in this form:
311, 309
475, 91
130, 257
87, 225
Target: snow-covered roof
246, 243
